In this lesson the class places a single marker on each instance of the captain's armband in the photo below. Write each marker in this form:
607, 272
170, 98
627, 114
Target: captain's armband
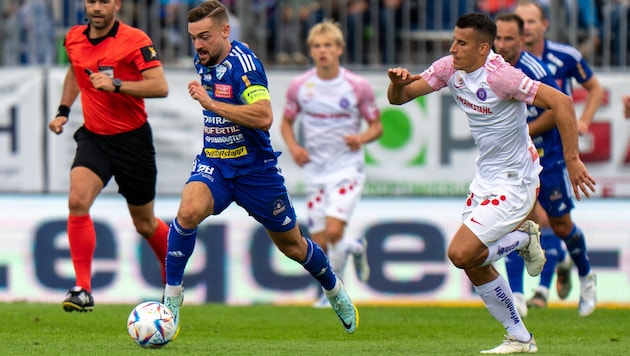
254, 93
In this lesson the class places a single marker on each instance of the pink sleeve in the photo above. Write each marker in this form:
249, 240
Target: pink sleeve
367, 104
365, 96
510, 83
292, 107
438, 74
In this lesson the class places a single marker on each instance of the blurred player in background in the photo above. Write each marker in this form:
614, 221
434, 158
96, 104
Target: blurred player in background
332, 104
237, 162
493, 94
565, 63
510, 29
113, 66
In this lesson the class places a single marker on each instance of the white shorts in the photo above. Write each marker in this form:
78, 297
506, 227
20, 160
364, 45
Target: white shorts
336, 198
492, 213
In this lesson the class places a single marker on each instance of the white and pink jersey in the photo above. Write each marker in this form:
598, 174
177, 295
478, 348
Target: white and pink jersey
493, 97
329, 110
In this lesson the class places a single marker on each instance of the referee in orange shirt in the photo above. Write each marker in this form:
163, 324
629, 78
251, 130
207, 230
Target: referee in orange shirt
114, 67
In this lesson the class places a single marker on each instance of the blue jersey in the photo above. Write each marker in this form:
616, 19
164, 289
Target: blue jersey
549, 144
565, 62
555, 195
233, 149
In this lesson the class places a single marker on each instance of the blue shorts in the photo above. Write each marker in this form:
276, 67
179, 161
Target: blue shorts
555, 193
262, 194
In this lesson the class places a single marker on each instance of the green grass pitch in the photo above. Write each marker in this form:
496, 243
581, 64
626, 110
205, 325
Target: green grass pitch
45, 329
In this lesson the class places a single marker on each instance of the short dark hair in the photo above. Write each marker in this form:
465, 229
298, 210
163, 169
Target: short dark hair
512, 18
481, 23
212, 9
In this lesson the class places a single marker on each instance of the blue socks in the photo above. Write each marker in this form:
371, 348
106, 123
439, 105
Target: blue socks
316, 263
514, 266
552, 245
181, 244
576, 245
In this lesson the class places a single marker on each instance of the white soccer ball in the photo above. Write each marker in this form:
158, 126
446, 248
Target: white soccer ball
151, 325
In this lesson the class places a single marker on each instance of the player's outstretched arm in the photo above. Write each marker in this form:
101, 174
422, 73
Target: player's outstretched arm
404, 86
566, 121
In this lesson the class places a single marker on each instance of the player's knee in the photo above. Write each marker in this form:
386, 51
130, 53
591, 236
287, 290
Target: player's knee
188, 217
145, 227
458, 258
78, 205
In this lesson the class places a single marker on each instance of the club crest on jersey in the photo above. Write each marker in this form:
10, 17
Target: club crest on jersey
344, 103
222, 91
220, 71
482, 94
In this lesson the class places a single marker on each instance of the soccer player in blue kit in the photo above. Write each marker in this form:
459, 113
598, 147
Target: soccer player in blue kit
237, 163
547, 140
566, 64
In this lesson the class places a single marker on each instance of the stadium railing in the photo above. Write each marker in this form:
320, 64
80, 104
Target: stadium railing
415, 33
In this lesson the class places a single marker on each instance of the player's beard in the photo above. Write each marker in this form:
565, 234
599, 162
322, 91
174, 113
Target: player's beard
212, 58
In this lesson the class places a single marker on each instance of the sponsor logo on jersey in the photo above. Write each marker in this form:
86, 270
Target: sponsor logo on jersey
222, 91
279, 207
477, 108
223, 154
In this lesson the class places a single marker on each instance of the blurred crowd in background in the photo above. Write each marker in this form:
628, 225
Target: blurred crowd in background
378, 32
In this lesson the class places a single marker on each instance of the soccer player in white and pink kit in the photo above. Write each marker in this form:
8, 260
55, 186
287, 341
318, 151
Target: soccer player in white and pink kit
493, 94
332, 105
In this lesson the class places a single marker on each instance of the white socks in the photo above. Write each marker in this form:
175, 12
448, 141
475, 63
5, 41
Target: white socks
514, 240
172, 291
499, 300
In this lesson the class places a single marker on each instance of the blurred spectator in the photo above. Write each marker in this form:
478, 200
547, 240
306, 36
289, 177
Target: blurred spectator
30, 33
297, 17
353, 15
494, 7
618, 13
7, 37
587, 16
235, 22
391, 23
397, 16
72, 13
261, 27
172, 24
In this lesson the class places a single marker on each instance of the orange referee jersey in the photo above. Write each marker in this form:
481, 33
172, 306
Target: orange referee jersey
123, 53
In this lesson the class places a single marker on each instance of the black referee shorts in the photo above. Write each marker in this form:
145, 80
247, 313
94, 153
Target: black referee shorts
129, 157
